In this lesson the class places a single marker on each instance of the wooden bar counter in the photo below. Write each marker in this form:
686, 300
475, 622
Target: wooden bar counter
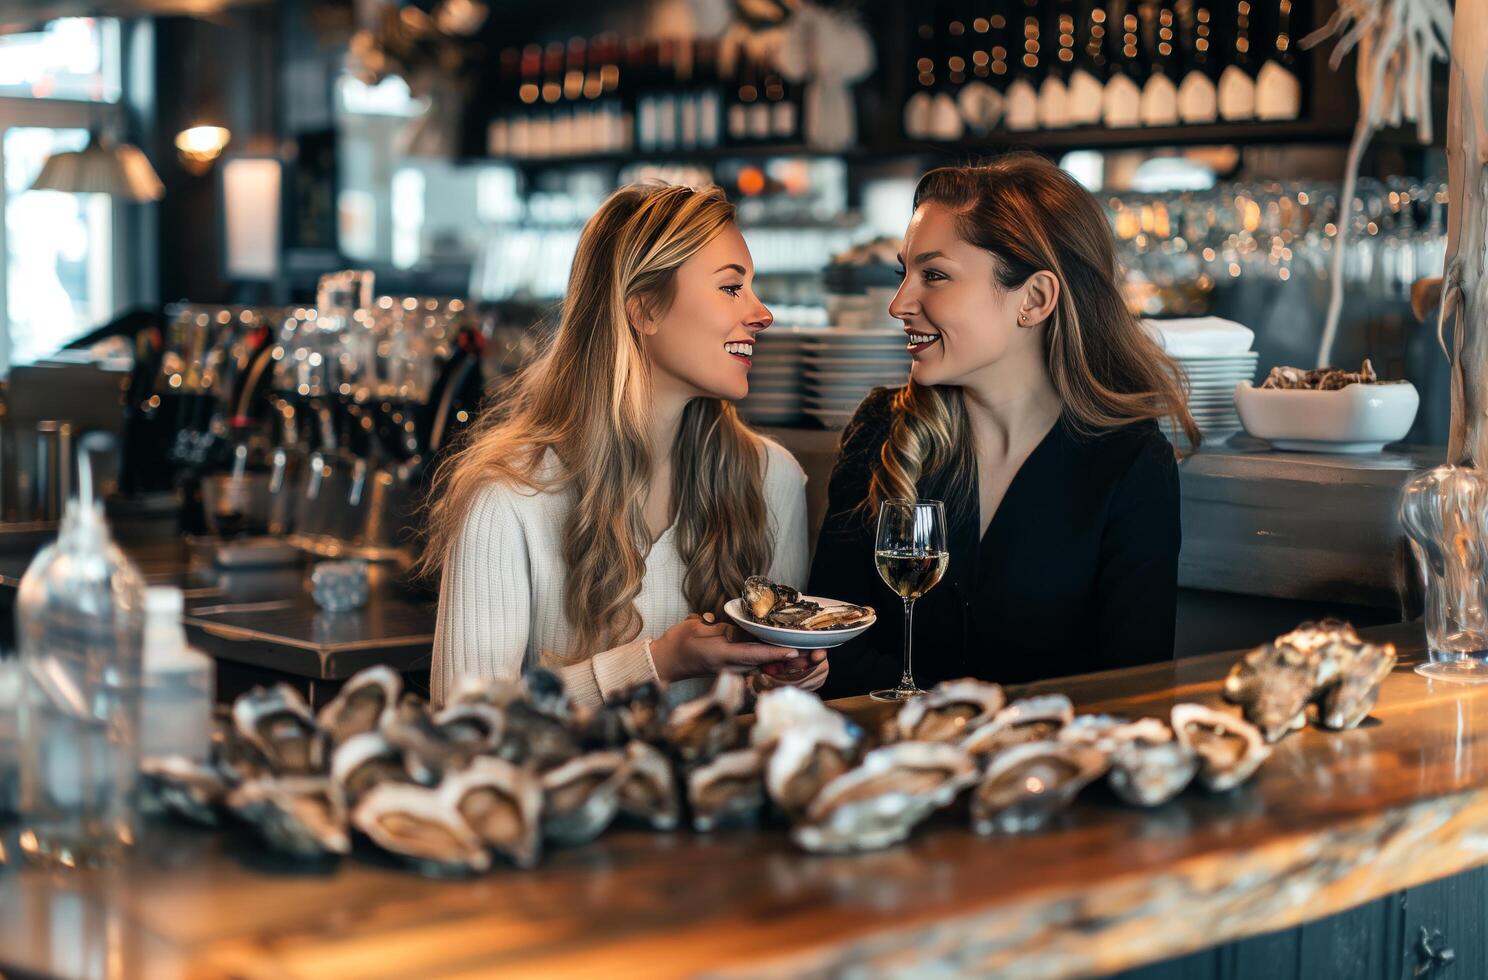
1333, 822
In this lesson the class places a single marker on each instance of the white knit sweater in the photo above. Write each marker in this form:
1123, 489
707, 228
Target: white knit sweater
501, 592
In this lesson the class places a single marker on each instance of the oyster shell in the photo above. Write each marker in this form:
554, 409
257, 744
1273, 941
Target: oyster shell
761, 596
1230, 749
805, 759
476, 726
643, 711
535, 739
502, 804
836, 617
427, 751
949, 711
1033, 719
304, 816
1273, 684
880, 802
278, 724
782, 709
649, 793
546, 693
1150, 773
420, 825
1107, 732
582, 796
364, 761
1353, 695
729, 788
703, 728
1027, 784
188, 789
364, 703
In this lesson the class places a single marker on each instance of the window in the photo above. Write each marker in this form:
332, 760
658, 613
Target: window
58, 249
68, 262
72, 58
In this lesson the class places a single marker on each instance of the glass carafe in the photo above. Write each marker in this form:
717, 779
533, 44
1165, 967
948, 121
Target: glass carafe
1445, 513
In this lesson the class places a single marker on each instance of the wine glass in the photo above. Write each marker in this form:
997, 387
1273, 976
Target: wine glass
911, 555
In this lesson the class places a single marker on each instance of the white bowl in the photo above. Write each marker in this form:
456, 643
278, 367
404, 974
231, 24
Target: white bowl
798, 639
1358, 418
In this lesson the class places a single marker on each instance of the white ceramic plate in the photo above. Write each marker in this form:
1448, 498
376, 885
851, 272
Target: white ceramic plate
797, 639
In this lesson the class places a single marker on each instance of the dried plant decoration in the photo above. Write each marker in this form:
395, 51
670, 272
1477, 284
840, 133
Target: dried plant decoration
1398, 42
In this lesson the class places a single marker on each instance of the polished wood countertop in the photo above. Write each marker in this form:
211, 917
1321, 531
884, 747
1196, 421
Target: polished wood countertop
1332, 820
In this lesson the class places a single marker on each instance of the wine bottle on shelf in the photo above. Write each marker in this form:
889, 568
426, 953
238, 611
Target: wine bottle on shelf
1198, 97
783, 99
709, 95
617, 125
687, 95
946, 123
1087, 80
1278, 92
504, 103
1121, 102
1160, 91
979, 100
1022, 108
759, 106
1058, 57
647, 111
918, 106
521, 131
1236, 85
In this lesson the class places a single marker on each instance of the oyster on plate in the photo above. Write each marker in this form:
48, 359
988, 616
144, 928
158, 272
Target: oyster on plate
728, 789
949, 711
880, 802
1034, 719
772, 604
649, 792
364, 761
703, 728
304, 816
502, 804
278, 724
1230, 749
1027, 784
363, 704
582, 796
421, 826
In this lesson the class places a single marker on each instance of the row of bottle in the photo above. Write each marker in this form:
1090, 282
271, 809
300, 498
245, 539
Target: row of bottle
602, 96
1024, 65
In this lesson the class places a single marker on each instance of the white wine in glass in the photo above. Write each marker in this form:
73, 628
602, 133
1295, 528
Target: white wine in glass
911, 555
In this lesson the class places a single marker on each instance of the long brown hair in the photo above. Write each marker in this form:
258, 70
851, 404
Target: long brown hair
1108, 371
586, 398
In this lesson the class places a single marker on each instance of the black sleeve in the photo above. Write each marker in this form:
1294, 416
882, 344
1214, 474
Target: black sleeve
843, 565
1137, 582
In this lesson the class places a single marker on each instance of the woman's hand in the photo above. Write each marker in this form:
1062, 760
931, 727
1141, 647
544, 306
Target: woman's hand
808, 672
699, 648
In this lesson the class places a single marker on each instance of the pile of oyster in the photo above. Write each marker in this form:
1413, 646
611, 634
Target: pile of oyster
1322, 379
505, 770
1323, 664
772, 604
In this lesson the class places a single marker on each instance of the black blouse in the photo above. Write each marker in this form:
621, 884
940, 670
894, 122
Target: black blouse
1078, 570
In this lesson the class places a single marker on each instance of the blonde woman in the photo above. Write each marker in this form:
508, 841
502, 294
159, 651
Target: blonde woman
1032, 411
611, 501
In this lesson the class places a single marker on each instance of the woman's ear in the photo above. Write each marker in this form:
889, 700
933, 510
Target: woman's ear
640, 320
1040, 298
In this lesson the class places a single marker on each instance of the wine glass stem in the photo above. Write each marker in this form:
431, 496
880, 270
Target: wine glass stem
907, 681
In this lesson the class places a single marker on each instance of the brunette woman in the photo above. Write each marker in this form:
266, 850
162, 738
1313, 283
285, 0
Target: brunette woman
609, 503
1032, 411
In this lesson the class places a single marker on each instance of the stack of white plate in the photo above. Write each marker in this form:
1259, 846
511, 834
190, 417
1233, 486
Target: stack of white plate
776, 394
1211, 391
843, 365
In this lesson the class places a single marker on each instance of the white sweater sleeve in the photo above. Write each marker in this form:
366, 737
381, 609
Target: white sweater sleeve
485, 613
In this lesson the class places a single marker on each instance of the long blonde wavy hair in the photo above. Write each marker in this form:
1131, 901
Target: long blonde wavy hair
1107, 370
587, 398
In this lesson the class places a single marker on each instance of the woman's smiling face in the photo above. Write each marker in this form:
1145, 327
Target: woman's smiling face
703, 344
958, 318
